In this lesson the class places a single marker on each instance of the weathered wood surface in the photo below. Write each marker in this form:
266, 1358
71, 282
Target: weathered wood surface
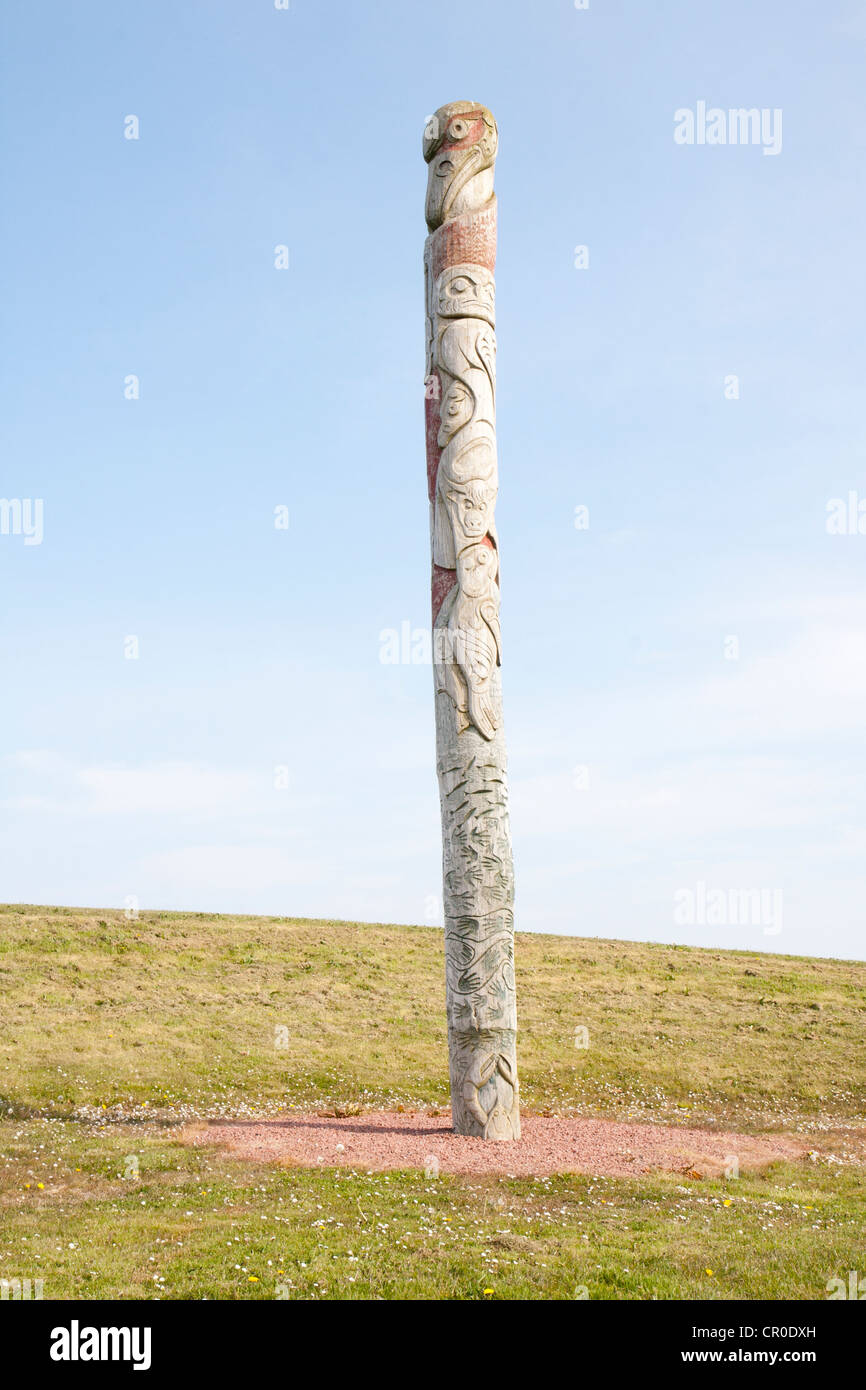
460, 143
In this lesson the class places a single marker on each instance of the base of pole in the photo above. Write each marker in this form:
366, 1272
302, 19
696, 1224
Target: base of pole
484, 1090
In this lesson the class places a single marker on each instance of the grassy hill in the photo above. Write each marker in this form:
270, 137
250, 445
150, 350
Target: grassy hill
115, 1031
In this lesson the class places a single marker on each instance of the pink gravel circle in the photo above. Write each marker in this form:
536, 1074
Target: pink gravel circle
387, 1140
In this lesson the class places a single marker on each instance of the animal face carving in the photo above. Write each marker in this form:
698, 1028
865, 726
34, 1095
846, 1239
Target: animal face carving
476, 571
460, 143
471, 510
466, 487
466, 291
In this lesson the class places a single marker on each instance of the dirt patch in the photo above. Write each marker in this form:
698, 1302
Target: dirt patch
385, 1139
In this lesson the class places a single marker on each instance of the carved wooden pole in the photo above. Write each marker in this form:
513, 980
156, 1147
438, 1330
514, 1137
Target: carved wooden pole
459, 256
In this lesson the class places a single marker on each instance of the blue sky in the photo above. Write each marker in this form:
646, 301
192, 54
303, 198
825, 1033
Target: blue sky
644, 761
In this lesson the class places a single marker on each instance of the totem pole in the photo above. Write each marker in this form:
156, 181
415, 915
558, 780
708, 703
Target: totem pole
460, 143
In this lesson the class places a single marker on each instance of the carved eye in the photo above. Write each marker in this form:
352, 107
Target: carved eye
458, 130
459, 286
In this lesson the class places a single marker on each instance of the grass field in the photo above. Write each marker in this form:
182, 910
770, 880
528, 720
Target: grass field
116, 1032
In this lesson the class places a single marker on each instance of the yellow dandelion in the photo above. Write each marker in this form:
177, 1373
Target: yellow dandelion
726, 1202
709, 1271
253, 1279
41, 1186
487, 1291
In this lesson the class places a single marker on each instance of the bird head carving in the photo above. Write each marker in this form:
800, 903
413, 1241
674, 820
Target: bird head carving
460, 142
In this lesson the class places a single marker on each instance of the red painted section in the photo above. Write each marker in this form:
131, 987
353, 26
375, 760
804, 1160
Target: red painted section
467, 240
431, 425
476, 131
442, 581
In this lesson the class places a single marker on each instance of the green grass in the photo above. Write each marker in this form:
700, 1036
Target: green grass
115, 1032
197, 1224
179, 1009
